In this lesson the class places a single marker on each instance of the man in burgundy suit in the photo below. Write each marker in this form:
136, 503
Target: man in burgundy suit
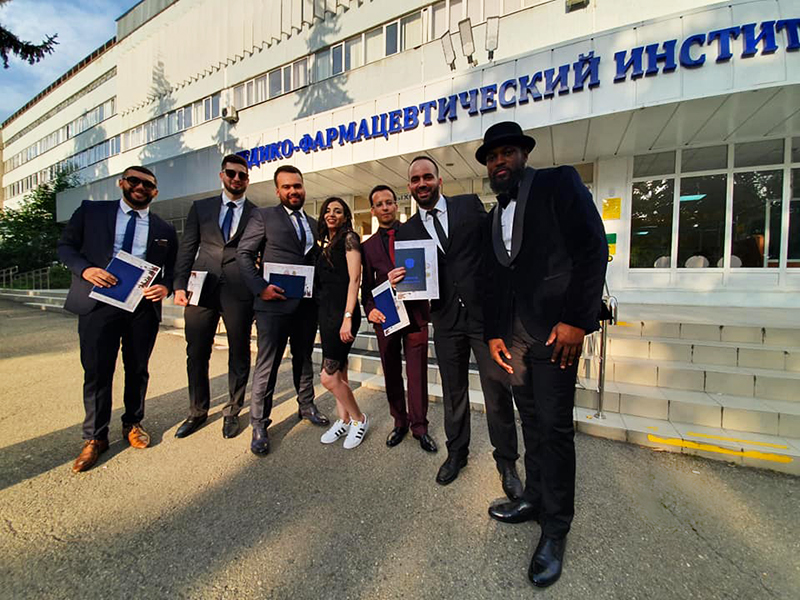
378, 258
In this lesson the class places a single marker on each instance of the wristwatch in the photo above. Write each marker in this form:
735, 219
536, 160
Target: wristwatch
348, 315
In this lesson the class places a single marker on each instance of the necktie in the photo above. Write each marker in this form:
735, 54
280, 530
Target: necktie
302, 230
228, 221
130, 229
390, 232
437, 226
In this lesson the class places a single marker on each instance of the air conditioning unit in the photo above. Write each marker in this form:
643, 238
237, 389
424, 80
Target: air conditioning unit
230, 114
576, 4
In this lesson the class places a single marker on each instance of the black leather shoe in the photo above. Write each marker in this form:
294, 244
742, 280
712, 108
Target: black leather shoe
512, 486
516, 511
426, 443
312, 413
396, 436
189, 426
230, 426
547, 561
260, 443
449, 470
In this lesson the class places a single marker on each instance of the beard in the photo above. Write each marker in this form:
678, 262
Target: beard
433, 198
137, 204
511, 183
232, 192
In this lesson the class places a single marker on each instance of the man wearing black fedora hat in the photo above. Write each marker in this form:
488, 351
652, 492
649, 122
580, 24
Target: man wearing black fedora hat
545, 258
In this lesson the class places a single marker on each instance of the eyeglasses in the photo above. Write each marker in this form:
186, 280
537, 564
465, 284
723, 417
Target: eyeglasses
135, 181
231, 174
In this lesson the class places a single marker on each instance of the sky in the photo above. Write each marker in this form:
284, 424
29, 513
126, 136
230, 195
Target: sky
82, 27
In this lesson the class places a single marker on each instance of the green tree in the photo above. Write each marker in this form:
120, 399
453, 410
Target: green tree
27, 51
28, 234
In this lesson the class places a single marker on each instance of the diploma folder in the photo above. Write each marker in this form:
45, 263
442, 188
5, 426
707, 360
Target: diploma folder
133, 275
293, 286
394, 310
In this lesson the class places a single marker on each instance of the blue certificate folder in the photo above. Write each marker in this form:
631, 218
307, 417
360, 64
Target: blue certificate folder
413, 259
384, 302
293, 286
127, 277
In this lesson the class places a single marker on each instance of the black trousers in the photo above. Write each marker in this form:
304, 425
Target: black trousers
274, 330
100, 333
452, 353
201, 325
545, 396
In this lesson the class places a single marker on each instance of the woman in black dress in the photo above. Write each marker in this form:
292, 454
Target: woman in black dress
338, 276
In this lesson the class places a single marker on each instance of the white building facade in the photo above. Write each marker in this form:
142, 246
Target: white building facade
682, 117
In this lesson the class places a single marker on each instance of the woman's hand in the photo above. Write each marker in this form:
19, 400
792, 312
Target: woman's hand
345, 333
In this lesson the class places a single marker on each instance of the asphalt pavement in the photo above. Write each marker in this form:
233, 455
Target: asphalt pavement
204, 518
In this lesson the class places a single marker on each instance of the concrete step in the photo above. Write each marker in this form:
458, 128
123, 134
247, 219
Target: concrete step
777, 453
766, 384
706, 332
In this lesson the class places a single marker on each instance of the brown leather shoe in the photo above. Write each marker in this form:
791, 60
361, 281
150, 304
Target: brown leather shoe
136, 436
92, 449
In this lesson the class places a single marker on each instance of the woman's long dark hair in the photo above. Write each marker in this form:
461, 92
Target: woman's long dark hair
322, 227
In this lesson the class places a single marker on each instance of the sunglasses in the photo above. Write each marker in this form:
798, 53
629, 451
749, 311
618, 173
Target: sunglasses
135, 181
231, 174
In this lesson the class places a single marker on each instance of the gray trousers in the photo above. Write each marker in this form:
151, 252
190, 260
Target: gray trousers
274, 330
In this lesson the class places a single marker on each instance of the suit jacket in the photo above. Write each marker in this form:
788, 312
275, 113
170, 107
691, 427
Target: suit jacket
88, 241
460, 283
217, 257
558, 258
270, 234
376, 266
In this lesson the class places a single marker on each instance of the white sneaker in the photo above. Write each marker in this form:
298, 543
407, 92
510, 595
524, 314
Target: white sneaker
337, 430
358, 429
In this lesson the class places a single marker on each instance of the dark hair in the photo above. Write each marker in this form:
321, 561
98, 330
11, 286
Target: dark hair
139, 169
285, 169
381, 188
429, 159
322, 227
235, 159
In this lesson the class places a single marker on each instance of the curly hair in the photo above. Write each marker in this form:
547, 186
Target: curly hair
322, 227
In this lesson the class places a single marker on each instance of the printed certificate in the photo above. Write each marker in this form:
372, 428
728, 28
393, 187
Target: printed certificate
133, 275
194, 286
394, 310
296, 281
422, 270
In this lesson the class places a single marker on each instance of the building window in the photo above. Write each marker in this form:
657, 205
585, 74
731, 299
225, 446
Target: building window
701, 221
651, 223
438, 19
756, 226
238, 96
337, 59
373, 41
300, 73
287, 78
704, 159
794, 218
353, 53
275, 83
261, 88
392, 39
411, 30
322, 65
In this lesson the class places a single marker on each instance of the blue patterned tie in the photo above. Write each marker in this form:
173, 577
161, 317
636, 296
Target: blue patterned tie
228, 221
302, 234
130, 229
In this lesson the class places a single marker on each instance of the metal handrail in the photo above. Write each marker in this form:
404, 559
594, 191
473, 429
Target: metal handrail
613, 309
38, 279
6, 275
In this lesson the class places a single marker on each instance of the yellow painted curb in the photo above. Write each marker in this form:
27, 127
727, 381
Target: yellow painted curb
719, 450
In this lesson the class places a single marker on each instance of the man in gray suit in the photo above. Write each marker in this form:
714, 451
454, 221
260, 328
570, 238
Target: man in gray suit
213, 230
280, 234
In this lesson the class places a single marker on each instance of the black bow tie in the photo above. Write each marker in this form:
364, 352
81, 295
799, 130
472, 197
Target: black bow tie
503, 199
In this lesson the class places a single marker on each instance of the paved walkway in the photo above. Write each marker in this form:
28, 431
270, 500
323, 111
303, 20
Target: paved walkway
203, 518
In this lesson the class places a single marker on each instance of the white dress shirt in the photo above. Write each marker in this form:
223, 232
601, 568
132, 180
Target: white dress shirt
139, 249
507, 222
427, 221
237, 212
306, 226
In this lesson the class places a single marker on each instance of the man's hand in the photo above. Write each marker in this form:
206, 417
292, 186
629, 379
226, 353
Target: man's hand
180, 298
397, 275
376, 316
569, 343
99, 277
272, 292
155, 293
498, 350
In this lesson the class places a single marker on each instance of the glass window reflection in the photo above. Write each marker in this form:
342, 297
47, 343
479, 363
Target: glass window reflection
651, 223
701, 221
756, 227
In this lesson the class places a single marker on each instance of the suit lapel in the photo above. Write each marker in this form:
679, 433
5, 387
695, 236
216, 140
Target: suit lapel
246, 210
212, 208
519, 214
452, 219
292, 231
497, 238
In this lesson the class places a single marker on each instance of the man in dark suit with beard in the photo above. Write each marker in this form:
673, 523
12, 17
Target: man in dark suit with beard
96, 232
213, 229
545, 258
456, 224
281, 234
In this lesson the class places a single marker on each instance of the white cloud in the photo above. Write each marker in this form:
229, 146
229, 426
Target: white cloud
82, 27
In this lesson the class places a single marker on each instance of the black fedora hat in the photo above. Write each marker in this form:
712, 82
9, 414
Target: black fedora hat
501, 134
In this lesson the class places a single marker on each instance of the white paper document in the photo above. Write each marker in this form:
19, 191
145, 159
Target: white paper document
194, 286
393, 309
296, 281
133, 275
421, 262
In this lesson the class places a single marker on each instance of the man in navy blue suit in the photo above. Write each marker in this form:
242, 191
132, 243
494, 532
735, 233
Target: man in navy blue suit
96, 232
